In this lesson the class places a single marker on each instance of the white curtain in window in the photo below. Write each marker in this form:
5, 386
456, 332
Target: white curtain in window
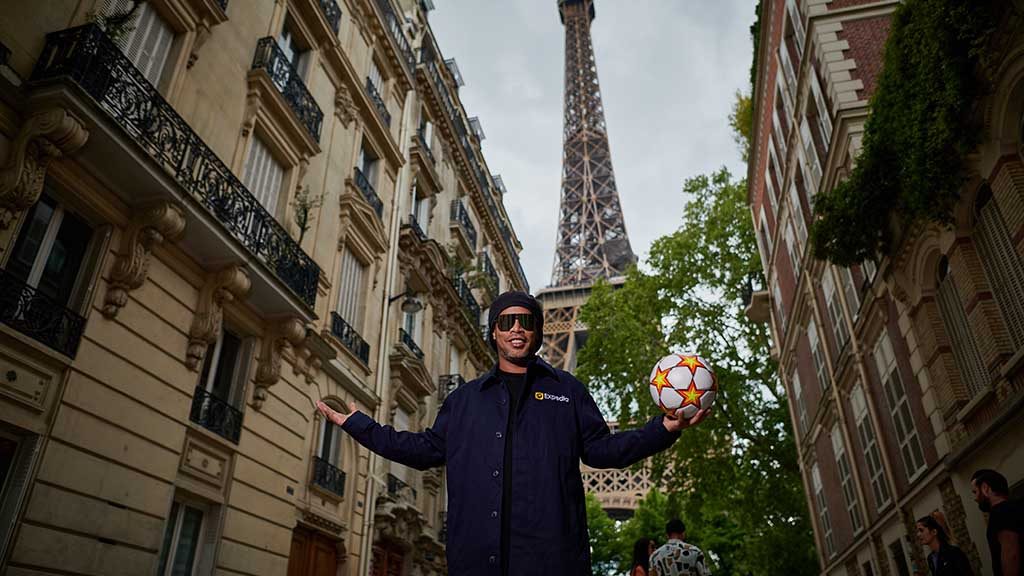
263, 175
350, 295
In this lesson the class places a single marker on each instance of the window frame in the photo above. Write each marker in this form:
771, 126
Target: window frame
869, 444
824, 517
846, 479
818, 354
899, 406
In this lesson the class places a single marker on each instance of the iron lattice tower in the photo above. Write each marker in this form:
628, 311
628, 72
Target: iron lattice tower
592, 241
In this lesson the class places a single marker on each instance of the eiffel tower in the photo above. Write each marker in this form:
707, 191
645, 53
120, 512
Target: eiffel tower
592, 241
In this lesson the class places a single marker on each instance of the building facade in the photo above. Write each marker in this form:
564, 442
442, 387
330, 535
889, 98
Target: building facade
904, 374
213, 214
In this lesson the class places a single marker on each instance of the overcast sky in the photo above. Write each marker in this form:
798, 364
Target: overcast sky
668, 71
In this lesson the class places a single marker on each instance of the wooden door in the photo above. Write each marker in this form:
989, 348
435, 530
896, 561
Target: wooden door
312, 554
386, 562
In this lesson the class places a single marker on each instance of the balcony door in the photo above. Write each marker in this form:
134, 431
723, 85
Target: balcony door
312, 554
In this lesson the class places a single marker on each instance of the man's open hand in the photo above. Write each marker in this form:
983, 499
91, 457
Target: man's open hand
675, 423
333, 415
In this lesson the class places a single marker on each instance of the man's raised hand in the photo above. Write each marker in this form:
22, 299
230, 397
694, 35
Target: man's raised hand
675, 424
333, 415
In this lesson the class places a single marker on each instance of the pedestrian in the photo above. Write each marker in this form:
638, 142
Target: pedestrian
944, 559
1005, 521
642, 550
512, 441
677, 557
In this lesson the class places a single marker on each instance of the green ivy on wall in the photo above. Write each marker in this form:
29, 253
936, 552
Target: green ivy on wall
922, 125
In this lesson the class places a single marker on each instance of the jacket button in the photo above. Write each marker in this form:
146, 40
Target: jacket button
497, 434
495, 473
492, 559
494, 513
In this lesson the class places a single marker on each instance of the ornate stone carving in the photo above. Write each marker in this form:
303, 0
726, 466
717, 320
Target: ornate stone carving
345, 106
221, 286
286, 334
202, 35
44, 136
151, 225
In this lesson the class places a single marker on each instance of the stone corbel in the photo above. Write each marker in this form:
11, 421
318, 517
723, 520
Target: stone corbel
46, 135
151, 225
252, 109
284, 335
221, 286
202, 35
345, 106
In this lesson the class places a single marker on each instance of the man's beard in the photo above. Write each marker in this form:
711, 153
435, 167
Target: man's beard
985, 505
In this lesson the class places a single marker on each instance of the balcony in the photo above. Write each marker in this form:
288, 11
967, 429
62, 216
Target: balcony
399, 490
416, 228
460, 218
394, 27
378, 102
38, 316
421, 140
349, 338
271, 59
332, 13
328, 477
363, 183
490, 273
468, 301
216, 415
406, 339
132, 127
447, 383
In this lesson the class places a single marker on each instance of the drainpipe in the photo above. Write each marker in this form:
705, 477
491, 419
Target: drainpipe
383, 369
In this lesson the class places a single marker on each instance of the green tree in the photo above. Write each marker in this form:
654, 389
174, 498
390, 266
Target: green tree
736, 474
603, 538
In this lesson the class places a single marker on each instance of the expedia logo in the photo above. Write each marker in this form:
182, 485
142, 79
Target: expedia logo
545, 396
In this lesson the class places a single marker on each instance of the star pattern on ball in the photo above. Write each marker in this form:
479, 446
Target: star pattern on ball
691, 362
691, 396
660, 379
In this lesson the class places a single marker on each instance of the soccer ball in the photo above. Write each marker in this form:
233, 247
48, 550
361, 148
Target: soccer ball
682, 384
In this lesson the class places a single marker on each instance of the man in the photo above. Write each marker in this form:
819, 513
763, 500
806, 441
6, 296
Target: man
512, 441
676, 557
1005, 521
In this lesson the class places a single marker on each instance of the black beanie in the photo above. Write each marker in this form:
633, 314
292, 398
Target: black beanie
508, 300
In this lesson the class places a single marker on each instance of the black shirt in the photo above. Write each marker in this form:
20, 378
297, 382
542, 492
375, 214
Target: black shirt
949, 561
516, 384
1008, 515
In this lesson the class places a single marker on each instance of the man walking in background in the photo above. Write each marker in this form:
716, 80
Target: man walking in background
676, 557
1005, 521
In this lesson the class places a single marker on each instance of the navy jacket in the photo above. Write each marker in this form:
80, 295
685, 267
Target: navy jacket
558, 425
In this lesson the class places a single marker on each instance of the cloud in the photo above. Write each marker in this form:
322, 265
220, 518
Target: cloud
668, 69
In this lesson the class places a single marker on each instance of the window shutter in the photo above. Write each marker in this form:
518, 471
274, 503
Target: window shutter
263, 175
147, 39
961, 338
1003, 268
351, 288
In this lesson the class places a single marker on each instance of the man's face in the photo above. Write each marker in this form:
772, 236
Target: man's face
981, 494
516, 343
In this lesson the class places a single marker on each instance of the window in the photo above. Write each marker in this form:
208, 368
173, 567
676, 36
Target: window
427, 132
797, 24
801, 404
835, 309
374, 77
329, 449
412, 324
782, 96
769, 192
899, 558
792, 249
221, 389
852, 298
51, 252
810, 153
1003, 266
868, 569
866, 433
899, 406
961, 337
294, 51
189, 539
780, 310
778, 133
367, 164
766, 242
17, 455
796, 212
263, 175
787, 67
350, 289
148, 37
869, 268
774, 161
420, 207
822, 113
823, 515
846, 479
817, 354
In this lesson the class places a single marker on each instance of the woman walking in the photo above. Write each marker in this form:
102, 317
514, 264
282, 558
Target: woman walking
642, 550
944, 559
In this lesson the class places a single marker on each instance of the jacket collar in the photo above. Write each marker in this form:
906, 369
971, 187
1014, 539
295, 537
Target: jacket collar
536, 363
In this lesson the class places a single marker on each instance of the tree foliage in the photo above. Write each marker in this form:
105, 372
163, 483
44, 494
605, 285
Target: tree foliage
604, 538
735, 476
920, 130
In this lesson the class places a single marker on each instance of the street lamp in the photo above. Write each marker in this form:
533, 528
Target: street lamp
411, 304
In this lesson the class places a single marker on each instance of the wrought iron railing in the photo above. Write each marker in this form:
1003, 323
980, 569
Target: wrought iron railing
467, 298
378, 102
414, 223
421, 140
406, 339
487, 268
447, 383
328, 476
399, 489
363, 183
216, 415
394, 26
430, 66
38, 316
351, 339
270, 58
88, 57
333, 14
460, 215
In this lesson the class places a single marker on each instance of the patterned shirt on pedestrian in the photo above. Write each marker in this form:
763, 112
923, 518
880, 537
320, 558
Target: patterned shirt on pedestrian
677, 558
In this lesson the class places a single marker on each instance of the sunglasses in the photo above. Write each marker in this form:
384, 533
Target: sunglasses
505, 322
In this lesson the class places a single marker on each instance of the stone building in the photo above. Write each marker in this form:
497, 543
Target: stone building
904, 374
214, 213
